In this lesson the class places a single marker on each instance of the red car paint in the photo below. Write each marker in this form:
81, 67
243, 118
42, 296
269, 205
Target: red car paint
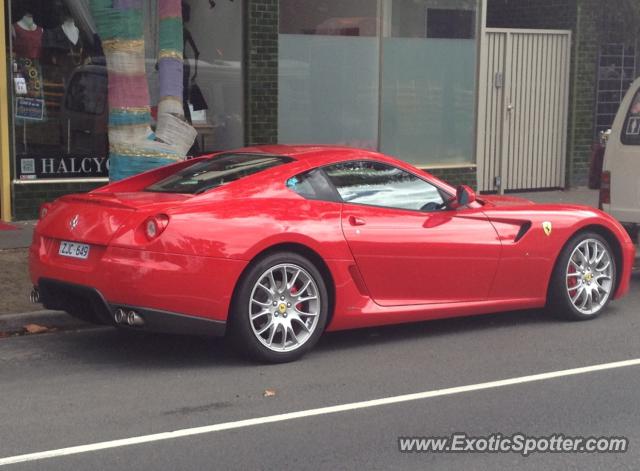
386, 266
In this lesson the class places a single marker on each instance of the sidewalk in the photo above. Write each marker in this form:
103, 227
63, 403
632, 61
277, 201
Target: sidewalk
580, 195
18, 238
15, 285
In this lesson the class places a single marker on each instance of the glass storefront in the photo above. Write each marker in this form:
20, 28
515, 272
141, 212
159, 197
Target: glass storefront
398, 76
91, 79
64, 89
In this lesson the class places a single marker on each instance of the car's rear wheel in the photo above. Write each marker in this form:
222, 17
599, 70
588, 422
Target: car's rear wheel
584, 278
280, 308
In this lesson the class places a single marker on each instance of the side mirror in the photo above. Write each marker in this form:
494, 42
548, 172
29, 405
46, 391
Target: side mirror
465, 195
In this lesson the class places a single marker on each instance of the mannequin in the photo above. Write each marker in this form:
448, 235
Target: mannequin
27, 37
27, 22
27, 50
71, 31
63, 52
64, 39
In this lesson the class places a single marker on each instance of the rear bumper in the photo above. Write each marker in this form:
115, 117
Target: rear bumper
191, 285
89, 304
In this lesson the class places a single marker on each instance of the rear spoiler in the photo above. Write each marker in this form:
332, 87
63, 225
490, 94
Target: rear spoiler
100, 199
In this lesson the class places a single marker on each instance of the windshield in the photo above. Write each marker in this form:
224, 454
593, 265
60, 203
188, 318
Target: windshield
212, 173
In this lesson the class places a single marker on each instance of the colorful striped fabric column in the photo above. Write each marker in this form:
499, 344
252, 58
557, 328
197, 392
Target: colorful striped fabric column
170, 57
132, 149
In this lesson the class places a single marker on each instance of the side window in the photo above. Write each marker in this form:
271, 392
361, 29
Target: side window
313, 185
631, 129
377, 184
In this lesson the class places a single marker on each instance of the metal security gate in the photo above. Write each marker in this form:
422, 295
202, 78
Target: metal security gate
523, 109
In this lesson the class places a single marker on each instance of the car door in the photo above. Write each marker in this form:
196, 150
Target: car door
409, 249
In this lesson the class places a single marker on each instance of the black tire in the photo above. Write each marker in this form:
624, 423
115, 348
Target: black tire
242, 330
559, 302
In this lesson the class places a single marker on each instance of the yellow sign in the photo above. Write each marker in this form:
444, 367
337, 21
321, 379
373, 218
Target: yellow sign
547, 227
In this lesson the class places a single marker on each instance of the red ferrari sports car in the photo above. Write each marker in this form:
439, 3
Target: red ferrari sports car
276, 244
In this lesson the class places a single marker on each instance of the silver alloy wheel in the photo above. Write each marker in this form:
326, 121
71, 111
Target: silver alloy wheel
284, 307
589, 276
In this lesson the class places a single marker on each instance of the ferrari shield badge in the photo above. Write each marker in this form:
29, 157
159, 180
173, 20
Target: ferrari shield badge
547, 227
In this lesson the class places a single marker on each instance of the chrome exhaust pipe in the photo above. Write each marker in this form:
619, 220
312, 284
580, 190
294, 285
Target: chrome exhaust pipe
35, 296
134, 319
119, 316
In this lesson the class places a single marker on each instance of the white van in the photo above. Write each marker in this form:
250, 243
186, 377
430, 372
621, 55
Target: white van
620, 184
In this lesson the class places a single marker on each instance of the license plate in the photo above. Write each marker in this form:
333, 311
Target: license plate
74, 250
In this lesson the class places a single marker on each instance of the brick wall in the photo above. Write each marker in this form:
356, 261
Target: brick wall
261, 71
592, 23
535, 14
28, 198
584, 88
457, 176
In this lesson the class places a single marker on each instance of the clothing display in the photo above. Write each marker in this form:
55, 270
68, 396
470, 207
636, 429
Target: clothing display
27, 50
31, 70
27, 42
56, 41
62, 51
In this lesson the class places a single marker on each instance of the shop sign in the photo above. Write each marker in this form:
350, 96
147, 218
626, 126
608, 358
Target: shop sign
30, 108
35, 167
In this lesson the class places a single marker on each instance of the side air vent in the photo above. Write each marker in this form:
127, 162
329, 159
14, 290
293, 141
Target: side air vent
523, 230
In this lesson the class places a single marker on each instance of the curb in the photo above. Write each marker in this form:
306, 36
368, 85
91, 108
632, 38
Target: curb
50, 319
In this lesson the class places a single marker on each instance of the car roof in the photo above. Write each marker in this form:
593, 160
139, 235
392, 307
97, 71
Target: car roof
317, 155
313, 152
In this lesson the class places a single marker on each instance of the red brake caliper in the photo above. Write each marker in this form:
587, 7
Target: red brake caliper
294, 290
572, 282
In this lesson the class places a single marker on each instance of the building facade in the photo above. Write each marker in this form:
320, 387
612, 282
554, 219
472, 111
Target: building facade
398, 76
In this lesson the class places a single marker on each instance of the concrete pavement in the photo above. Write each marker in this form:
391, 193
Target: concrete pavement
19, 238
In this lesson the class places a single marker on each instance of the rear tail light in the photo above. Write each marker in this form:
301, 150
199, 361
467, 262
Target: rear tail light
605, 189
154, 226
44, 210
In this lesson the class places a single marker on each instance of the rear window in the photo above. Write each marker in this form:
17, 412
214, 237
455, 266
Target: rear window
631, 130
212, 173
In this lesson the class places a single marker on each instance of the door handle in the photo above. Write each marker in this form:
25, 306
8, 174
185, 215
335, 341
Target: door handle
354, 221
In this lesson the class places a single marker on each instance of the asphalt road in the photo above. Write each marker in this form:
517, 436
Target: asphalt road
67, 389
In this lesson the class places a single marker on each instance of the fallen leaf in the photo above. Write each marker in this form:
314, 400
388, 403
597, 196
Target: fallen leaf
269, 393
35, 329
4, 334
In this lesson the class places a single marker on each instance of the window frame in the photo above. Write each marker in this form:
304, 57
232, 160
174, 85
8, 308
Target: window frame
446, 196
283, 158
333, 197
626, 139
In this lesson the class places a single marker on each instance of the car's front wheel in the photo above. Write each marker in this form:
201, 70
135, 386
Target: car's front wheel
584, 277
280, 308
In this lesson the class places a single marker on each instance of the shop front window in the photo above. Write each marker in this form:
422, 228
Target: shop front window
329, 59
429, 81
66, 89
397, 76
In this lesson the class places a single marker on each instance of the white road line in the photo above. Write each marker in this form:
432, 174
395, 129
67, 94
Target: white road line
74, 450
